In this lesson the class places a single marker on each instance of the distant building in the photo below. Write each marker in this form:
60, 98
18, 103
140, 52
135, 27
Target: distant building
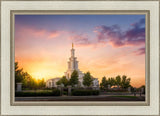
72, 65
52, 82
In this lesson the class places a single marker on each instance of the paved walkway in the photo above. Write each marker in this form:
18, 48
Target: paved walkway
83, 98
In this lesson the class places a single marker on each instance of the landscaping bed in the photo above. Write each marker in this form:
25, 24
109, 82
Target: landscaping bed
54, 92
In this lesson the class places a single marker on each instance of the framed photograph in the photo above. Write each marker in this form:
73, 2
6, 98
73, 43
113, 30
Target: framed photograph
80, 57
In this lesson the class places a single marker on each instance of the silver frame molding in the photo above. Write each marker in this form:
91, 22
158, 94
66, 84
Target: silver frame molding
81, 103
14, 103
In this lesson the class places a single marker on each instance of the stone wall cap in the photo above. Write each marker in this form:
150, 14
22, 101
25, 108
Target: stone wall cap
18, 83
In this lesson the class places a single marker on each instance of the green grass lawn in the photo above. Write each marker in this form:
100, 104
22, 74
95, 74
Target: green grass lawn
125, 96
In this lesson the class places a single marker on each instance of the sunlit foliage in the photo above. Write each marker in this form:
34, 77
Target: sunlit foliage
28, 82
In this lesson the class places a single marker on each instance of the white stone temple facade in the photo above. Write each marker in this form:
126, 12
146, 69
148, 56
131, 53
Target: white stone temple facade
52, 82
72, 65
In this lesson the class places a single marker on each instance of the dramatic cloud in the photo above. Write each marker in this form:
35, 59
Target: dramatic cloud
140, 51
118, 38
113, 35
136, 35
80, 39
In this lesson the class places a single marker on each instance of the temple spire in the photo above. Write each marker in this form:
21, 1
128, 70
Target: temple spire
72, 45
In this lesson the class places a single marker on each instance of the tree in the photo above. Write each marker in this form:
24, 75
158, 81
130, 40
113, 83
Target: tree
63, 81
118, 81
104, 83
87, 79
74, 78
111, 81
125, 83
59, 82
41, 83
18, 74
28, 82
142, 87
122, 82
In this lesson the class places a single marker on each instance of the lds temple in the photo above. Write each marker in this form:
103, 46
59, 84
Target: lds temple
72, 65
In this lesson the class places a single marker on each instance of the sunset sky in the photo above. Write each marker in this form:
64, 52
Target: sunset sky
105, 45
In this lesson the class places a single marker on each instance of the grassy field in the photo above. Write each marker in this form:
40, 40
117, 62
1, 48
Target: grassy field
125, 96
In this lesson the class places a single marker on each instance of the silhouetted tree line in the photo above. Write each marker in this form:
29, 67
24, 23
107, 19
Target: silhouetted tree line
122, 82
28, 82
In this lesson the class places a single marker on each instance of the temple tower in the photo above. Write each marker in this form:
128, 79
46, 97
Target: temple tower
72, 63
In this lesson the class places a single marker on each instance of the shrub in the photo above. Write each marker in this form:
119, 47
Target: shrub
119, 90
85, 92
65, 93
54, 92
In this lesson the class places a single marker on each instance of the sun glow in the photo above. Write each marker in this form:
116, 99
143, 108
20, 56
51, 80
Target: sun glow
39, 75
44, 72
43, 68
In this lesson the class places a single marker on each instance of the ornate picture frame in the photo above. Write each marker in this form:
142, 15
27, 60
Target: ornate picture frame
9, 106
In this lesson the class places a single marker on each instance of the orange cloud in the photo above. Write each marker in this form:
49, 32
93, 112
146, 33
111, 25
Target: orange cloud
26, 32
53, 35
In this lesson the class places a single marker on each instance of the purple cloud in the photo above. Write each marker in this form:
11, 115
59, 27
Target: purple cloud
118, 38
80, 39
140, 51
